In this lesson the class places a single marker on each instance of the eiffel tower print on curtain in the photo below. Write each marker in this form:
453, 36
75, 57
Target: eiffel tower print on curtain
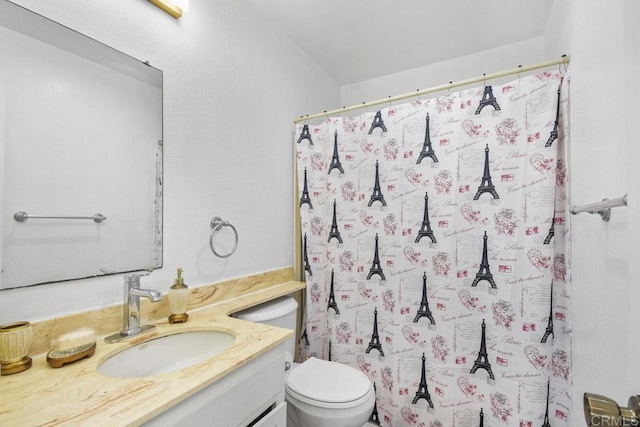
304, 134
554, 132
552, 230
377, 123
335, 159
424, 311
546, 413
305, 257
377, 195
488, 99
334, 233
427, 148
486, 186
375, 344
549, 330
332, 297
484, 273
425, 228
304, 198
423, 391
376, 267
482, 362
374, 418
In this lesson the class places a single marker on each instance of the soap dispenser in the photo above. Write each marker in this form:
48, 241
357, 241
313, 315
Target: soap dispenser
178, 300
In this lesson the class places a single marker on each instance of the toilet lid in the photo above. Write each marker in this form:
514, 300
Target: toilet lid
330, 382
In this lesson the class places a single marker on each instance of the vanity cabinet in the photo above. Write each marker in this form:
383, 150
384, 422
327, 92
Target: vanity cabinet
252, 395
275, 418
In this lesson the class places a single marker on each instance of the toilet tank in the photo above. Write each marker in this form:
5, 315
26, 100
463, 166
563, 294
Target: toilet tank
279, 312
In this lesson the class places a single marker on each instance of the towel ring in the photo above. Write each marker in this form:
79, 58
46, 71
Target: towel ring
216, 224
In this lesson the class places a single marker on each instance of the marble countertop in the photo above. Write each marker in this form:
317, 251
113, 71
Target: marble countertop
77, 394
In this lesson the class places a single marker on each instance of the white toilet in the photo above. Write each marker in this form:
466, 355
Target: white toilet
319, 393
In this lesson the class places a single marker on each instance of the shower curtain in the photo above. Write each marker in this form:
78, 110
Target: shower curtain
435, 239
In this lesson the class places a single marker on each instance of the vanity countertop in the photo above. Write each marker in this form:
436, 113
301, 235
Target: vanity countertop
77, 394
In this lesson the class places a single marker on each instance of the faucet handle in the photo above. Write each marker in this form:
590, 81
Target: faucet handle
131, 278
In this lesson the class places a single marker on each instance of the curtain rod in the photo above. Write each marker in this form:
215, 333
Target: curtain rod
564, 59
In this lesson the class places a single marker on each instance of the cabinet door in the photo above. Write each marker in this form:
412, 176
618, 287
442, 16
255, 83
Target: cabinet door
236, 399
275, 418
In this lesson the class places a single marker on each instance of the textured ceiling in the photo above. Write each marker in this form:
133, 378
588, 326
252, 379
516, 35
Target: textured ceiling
355, 40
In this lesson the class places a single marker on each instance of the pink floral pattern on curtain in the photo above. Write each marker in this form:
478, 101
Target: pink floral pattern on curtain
463, 196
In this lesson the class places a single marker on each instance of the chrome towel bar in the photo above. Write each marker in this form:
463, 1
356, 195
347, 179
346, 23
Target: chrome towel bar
602, 208
22, 216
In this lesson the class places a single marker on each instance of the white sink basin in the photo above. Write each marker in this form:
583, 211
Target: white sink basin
166, 354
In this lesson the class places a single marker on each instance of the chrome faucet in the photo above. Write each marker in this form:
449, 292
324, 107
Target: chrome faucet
131, 309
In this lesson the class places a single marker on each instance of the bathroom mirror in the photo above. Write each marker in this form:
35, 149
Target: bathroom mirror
80, 134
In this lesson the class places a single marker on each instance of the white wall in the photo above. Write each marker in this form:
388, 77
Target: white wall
605, 316
461, 68
232, 85
632, 89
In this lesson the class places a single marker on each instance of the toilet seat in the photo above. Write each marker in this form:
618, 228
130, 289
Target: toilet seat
330, 385
325, 405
